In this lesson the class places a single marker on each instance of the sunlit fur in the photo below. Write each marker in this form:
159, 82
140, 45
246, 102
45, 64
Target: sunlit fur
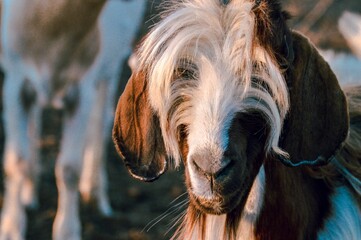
215, 45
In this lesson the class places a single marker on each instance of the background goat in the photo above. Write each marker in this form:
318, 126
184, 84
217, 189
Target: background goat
237, 96
58, 53
347, 66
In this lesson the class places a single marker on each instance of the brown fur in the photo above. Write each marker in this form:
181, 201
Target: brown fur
309, 79
350, 154
317, 123
136, 132
271, 31
301, 219
295, 204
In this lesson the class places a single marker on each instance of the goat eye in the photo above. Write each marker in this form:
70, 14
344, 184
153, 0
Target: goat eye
185, 70
260, 84
185, 73
182, 132
254, 123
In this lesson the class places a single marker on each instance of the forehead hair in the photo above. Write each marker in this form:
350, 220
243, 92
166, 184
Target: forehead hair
224, 45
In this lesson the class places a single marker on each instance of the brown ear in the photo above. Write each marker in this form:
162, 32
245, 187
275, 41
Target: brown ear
317, 123
136, 132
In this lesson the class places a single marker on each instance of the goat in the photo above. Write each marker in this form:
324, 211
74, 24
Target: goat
350, 27
347, 66
257, 117
58, 53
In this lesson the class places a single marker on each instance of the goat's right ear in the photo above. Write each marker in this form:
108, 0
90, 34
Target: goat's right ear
136, 132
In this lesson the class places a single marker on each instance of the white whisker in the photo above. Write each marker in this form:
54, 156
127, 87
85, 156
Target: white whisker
171, 210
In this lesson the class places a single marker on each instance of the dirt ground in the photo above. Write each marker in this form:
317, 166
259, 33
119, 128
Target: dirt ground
138, 205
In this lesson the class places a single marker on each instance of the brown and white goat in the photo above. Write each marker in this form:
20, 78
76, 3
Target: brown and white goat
61, 53
257, 117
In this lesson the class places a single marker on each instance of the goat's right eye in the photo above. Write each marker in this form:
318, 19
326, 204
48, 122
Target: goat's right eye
260, 84
182, 132
254, 123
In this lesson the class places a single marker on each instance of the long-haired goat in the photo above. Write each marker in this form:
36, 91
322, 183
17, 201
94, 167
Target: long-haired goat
59, 53
257, 117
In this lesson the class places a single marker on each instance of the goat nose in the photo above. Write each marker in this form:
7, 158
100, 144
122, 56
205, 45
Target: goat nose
209, 166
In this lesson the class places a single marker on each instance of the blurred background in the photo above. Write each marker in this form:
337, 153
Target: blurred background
148, 210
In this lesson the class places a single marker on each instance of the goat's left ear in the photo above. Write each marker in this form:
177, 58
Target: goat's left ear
136, 132
317, 123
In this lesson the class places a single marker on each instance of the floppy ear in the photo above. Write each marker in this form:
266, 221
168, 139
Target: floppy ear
317, 123
136, 132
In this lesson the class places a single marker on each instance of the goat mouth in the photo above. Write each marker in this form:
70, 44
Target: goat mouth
219, 203
219, 195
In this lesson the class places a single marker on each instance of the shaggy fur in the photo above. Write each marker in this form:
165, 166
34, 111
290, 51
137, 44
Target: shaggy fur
187, 40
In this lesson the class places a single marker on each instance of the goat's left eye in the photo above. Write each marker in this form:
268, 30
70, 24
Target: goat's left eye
184, 73
185, 70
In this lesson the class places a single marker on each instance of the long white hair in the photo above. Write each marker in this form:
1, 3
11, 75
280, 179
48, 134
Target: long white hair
203, 61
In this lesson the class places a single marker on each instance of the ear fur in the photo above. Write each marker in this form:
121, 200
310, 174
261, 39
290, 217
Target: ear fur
317, 123
136, 132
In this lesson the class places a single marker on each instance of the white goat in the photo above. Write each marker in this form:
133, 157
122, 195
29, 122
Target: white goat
58, 53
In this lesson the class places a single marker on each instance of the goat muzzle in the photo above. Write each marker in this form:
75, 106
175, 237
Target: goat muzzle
213, 170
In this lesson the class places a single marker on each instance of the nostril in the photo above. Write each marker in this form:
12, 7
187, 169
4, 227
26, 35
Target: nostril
226, 165
199, 169
210, 167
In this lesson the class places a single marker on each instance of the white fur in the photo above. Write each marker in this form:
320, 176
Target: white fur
82, 131
217, 42
345, 221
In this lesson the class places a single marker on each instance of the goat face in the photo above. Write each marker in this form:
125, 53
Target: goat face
218, 177
209, 90
222, 137
218, 109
